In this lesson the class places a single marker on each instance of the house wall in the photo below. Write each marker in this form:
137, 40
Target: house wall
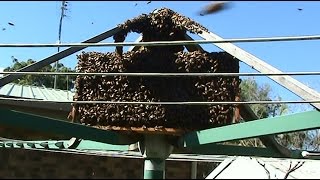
19, 163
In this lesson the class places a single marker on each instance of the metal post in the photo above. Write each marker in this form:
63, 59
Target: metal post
154, 168
63, 8
194, 170
155, 150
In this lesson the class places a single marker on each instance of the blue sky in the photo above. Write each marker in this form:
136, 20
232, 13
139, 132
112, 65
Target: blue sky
37, 22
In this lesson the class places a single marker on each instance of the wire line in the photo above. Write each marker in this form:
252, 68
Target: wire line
167, 43
161, 74
165, 103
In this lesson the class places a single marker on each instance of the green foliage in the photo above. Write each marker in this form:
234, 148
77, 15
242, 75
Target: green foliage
43, 80
250, 91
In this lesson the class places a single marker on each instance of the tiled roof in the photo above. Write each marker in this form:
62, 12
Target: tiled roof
34, 92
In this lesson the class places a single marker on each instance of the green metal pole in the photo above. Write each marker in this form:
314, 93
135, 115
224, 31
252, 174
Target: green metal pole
154, 168
155, 150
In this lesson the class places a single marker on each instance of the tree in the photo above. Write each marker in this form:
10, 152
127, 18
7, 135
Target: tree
251, 91
311, 138
63, 82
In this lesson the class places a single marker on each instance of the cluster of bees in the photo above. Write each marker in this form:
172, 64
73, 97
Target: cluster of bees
163, 25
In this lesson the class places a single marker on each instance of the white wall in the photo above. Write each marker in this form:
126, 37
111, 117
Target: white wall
249, 168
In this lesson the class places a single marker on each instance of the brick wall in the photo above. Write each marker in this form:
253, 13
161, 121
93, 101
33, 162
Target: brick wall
19, 163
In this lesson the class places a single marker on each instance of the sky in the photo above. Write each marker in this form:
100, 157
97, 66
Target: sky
38, 21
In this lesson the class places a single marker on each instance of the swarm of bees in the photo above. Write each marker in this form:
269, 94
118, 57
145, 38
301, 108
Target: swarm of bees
163, 25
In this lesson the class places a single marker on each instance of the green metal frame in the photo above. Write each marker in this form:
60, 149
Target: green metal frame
262, 127
233, 150
49, 125
62, 144
200, 142
211, 149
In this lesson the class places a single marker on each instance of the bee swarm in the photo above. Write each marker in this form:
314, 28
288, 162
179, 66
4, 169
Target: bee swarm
163, 25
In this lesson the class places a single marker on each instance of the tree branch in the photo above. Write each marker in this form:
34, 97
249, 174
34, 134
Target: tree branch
290, 170
264, 166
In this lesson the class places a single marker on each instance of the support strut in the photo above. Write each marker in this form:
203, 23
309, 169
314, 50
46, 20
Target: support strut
155, 150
